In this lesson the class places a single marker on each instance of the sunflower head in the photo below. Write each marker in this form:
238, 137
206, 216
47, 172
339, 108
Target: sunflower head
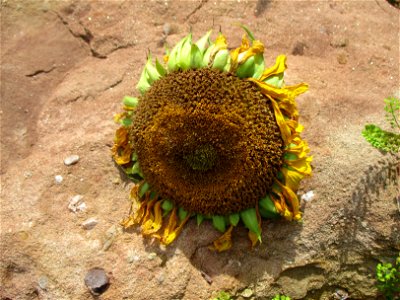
213, 135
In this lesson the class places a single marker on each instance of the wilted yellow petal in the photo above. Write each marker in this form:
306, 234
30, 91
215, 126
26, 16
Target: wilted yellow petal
224, 242
292, 178
279, 67
280, 120
256, 48
154, 224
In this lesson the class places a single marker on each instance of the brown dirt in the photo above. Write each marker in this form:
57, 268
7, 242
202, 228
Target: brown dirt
65, 66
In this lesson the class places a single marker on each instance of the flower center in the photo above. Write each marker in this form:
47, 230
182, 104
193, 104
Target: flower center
202, 159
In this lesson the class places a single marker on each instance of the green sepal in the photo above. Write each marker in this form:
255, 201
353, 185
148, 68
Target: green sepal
221, 59
267, 208
206, 56
290, 156
167, 205
130, 101
143, 84
219, 223
126, 122
151, 71
173, 56
259, 65
136, 169
196, 57
249, 218
160, 68
246, 69
249, 33
183, 56
143, 189
199, 219
234, 219
134, 157
182, 213
203, 41
275, 80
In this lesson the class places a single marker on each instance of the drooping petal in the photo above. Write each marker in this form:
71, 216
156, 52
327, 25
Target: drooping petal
224, 242
154, 224
277, 69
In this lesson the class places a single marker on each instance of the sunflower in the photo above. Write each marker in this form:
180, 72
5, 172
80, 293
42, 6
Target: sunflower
214, 135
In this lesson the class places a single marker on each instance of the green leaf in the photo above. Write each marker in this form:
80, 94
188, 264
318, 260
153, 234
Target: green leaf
161, 70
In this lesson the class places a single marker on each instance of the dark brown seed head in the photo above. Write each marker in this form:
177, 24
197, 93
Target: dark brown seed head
208, 141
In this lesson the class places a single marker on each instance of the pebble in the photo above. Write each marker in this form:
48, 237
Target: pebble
89, 223
152, 256
58, 179
71, 160
76, 204
132, 256
308, 196
247, 293
43, 282
97, 281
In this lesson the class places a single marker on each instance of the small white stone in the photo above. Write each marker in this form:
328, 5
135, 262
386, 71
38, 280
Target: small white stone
308, 196
43, 282
71, 160
76, 204
58, 179
89, 223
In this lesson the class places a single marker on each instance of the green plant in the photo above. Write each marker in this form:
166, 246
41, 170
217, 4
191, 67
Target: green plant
382, 139
281, 297
388, 277
222, 296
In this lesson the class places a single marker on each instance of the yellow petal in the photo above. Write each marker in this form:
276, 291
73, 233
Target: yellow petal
278, 68
287, 93
170, 235
280, 120
224, 242
154, 224
290, 197
292, 178
302, 165
254, 238
256, 48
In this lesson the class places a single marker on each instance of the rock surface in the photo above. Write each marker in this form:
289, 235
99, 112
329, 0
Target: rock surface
65, 67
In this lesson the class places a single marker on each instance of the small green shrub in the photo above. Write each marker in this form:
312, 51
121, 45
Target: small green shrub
281, 297
382, 139
388, 277
222, 296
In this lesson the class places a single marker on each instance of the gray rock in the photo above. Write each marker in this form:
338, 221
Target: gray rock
71, 160
89, 223
97, 281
